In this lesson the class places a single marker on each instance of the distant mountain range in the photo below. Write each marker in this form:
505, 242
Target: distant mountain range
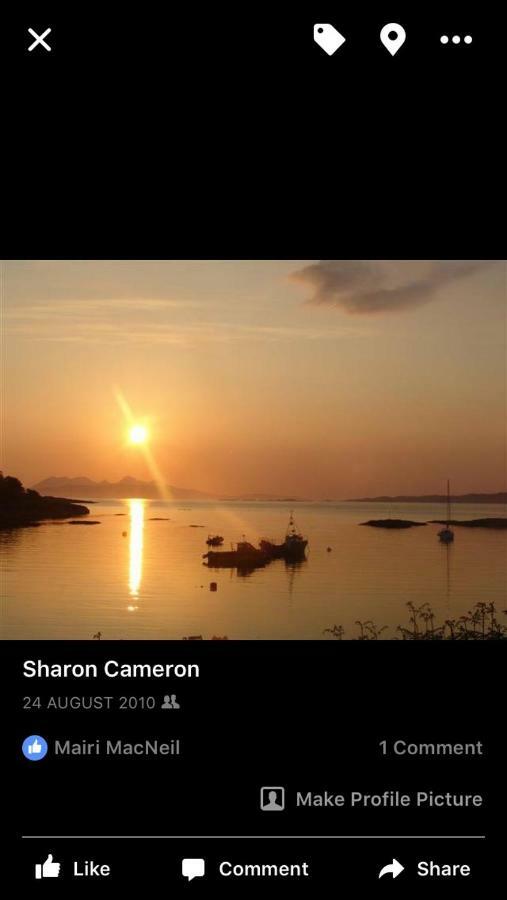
271, 498
500, 497
84, 488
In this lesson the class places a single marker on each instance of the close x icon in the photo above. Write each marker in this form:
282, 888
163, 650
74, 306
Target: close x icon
39, 41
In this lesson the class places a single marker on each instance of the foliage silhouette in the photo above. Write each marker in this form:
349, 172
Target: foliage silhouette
479, 624
20, 507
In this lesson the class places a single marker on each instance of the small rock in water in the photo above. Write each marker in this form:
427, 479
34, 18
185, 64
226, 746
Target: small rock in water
79, 522
392, 523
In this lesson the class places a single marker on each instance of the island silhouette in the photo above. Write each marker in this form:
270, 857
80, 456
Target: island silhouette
497, 497
21, 507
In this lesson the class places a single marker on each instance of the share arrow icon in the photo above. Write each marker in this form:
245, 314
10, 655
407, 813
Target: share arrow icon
394, 869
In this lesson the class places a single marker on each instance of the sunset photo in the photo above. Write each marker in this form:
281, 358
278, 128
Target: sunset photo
253, 449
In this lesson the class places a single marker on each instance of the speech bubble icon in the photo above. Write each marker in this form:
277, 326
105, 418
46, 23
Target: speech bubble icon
192, 868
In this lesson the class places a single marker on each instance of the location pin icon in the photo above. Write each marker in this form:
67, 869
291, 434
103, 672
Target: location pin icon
392, 37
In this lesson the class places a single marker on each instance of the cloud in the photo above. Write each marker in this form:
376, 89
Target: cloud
97, 330
366, 287
97, 307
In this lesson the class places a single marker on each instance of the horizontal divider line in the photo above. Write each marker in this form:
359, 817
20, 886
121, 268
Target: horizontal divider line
258, 837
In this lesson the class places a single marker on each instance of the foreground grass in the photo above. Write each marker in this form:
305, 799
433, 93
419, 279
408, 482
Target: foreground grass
479, 624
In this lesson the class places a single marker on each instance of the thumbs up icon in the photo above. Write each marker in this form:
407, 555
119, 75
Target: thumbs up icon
48, 869
34, 747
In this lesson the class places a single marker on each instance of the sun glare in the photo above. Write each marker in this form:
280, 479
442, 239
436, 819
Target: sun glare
138, 434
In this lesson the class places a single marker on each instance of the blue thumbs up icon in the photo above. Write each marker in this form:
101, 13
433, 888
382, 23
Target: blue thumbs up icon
34, 747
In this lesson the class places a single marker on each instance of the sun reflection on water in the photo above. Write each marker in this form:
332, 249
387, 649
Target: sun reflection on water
136, 510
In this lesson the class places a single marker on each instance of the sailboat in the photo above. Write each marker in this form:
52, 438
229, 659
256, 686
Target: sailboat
446, 535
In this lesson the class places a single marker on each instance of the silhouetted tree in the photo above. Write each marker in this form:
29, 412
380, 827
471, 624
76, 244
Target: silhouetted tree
10, 488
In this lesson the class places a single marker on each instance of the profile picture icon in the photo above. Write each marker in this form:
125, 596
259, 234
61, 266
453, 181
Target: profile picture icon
272, 799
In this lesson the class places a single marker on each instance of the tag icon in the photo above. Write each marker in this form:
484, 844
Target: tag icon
327, 37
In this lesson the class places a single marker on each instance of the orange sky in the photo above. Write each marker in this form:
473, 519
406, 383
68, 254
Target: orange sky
316, 379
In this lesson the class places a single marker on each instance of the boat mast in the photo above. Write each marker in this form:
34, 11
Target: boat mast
291, 527
448, 504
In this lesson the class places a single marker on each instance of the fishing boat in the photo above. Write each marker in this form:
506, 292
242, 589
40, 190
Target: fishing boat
245, 555
293, 547
446, 535
215, 540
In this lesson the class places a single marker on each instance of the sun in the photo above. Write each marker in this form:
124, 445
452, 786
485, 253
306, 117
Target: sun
138, 434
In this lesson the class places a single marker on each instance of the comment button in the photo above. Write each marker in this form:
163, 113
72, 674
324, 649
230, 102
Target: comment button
192, 868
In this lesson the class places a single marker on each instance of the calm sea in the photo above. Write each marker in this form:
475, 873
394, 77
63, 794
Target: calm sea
140, 573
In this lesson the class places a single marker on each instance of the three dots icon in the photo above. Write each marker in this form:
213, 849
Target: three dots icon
456, 39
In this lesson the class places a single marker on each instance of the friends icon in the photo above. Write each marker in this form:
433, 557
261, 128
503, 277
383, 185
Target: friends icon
170, 702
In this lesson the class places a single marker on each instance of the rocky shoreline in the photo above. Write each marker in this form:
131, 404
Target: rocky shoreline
493, 522
496, 522
20, 508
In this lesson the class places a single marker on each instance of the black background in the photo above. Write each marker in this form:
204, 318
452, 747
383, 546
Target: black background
202, 133
305, 715
212, 132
